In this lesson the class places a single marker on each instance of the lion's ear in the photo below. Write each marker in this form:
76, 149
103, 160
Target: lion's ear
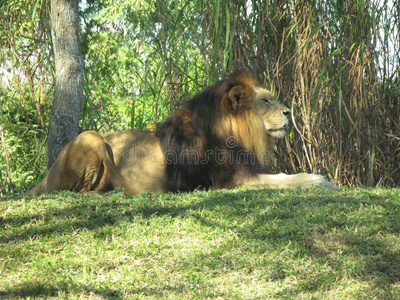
239, 93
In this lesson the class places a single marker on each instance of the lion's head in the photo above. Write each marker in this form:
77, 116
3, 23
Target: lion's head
274, 114
249, 112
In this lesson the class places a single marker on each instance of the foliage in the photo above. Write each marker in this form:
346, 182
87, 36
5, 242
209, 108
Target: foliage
333, 62
225, 244
24, 145
140, 68
25, 91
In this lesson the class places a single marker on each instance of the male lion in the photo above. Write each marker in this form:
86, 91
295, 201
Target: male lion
223, 137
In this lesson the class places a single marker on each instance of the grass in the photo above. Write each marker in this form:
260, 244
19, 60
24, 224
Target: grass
225, 244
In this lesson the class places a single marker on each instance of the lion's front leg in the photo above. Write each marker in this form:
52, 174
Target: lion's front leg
285, 181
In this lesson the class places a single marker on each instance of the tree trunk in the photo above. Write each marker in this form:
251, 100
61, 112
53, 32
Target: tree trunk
68, 91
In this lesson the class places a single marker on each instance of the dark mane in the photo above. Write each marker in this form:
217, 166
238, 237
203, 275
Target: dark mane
201, 147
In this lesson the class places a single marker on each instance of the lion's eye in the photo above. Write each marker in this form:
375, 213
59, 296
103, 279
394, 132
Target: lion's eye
266, 101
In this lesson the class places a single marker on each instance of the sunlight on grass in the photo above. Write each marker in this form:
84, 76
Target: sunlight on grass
226, 244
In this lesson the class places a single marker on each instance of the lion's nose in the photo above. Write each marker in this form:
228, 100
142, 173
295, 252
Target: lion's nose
286, 112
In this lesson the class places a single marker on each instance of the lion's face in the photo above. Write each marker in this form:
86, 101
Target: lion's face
274, 114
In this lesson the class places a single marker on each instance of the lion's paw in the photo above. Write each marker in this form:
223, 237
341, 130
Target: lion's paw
328, 185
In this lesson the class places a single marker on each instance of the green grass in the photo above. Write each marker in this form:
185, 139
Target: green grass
226, 244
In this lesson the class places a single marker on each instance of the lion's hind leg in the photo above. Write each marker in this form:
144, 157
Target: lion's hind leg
79, 167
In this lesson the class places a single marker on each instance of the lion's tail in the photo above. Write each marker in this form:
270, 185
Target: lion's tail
116, 178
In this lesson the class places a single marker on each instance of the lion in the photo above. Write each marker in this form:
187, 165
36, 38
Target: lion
223, 137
